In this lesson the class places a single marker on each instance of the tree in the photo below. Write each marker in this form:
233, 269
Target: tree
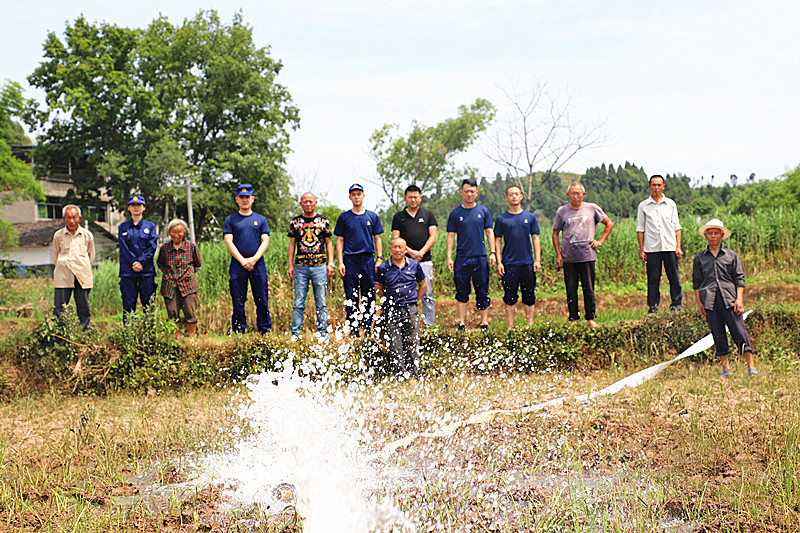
16, 179
538, 134
146, 105
425, 156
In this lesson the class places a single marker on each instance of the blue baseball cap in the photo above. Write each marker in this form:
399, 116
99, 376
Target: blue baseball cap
245, 189
136, 199
356, 187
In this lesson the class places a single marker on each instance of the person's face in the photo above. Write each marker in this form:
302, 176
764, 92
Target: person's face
469, 193
398, 250
357, 197
575, 195
413, 199
177, 234
656, 186
514, 196
72, 219
245, 202
714, 236
308, 203
136, 209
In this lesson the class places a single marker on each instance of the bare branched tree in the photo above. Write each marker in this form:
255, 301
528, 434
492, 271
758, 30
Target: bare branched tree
537, 138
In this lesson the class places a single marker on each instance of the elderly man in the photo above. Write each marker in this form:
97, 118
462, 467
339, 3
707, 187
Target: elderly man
73, 255
403, 282
576, 252
310, 260
659, 233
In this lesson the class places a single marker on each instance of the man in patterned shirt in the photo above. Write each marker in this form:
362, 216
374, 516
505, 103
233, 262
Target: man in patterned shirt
179, 260
310, 260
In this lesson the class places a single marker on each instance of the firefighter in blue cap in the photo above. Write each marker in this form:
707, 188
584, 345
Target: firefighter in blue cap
246, 235
138, 241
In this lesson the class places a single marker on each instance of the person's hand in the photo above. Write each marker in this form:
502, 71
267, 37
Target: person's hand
291, 272
537, 266
342, 270
560, 261
501, 269
330, 269
248, 264
492, 259
450, 265
643, 256
738, 306
679, 253
137, 266
701, 309
595, 244
414, 254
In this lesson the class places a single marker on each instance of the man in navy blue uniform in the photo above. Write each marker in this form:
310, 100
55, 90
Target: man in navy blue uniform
138, 241
471, 221
521, 258
358, 237
246, 235
403, 282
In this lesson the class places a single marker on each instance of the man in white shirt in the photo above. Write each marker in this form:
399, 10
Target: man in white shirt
659, 233
73, 255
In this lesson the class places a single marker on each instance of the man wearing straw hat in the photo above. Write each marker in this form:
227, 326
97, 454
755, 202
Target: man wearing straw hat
718, 282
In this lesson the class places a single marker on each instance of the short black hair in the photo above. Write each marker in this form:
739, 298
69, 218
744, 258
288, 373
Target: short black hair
654, 176
469, 181
413, 188
515, 186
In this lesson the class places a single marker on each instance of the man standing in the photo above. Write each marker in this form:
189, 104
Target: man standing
417, 226
73, 255
518, 261
471, 222
576, 253
403, 282
659, 233
246, 236
310, 260
358, 234
138, 240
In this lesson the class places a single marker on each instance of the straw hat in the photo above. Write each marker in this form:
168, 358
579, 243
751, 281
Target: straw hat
715, 223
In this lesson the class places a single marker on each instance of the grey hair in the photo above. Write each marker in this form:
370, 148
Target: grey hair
175, 222
70, 206
576, 183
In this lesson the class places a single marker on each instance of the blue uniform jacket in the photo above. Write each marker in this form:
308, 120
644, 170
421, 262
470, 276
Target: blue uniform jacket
137, 243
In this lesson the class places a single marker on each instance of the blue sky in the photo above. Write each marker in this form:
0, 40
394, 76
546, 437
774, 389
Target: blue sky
703, 88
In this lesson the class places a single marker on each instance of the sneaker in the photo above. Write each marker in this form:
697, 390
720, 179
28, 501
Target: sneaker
484, 327
725, 373
754, 372
652, 310
461, 327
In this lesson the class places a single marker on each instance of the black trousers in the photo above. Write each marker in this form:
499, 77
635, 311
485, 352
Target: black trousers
63, 296
583, 272
670, 262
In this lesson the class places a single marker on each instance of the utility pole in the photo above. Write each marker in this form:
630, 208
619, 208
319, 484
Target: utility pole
189, 206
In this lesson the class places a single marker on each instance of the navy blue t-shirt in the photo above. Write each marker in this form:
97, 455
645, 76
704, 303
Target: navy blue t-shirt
358, 231
400, 284
469, 225
247, 232
517, 230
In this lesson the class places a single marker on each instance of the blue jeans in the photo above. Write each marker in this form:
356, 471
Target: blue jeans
318, 276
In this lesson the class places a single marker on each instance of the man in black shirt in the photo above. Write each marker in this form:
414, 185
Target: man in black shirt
417, 226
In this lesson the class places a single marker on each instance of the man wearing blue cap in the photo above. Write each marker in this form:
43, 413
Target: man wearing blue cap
246, 235
358, 237
138, 241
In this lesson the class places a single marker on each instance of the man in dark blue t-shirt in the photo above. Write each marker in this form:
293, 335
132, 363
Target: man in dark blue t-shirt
358, 234
518, 261
470, 221
403, 282
246, 235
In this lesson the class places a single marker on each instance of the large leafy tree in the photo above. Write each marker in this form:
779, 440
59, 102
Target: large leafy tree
425, 156
16, 179
150, 106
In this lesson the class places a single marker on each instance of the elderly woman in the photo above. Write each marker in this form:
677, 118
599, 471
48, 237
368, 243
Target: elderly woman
179, 260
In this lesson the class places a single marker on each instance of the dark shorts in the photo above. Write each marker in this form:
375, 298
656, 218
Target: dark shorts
475, 270
519, 278
188, 303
